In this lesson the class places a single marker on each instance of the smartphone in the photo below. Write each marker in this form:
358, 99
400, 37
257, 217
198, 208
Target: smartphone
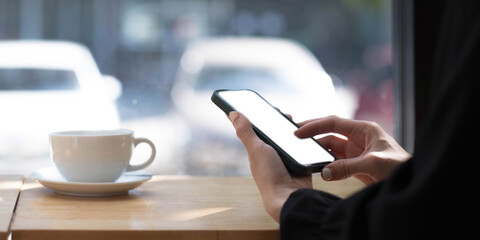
300, 156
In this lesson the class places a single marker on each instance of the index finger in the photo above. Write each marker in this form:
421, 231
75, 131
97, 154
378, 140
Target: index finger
330, 124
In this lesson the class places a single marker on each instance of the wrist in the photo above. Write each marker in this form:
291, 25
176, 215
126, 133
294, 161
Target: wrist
274, 200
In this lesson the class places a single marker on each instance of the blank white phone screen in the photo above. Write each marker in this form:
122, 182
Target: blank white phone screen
274, 125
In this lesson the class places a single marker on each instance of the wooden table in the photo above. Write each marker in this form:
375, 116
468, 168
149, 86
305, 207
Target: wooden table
166, 207
9, 189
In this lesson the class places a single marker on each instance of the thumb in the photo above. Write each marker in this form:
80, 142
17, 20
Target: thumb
243, 129
340, 169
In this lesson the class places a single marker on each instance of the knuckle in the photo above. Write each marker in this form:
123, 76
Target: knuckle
241, 132
367, 127
370, 124
332, 118
374, 160
242, 128
344, 169
331, 121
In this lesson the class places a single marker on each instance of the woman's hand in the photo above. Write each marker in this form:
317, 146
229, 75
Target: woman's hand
270, 174
369, 153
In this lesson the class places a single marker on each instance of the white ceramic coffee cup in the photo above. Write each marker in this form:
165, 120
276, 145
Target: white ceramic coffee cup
96, 156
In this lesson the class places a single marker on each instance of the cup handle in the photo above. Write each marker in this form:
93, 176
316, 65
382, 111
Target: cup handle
137, 141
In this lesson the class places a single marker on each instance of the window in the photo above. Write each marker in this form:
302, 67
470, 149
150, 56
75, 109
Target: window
19, 79
168, 55
212, 78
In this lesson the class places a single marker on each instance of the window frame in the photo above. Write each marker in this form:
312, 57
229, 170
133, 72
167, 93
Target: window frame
403, 72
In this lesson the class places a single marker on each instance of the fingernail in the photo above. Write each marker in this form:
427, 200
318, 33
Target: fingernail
327, 174
233, 116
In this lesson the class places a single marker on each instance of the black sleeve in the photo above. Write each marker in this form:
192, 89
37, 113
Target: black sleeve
373, 213
434, 195
301, 214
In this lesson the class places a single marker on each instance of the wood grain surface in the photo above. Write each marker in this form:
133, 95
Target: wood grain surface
9, 189
166, 207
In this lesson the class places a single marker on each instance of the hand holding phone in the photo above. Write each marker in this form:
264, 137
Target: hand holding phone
300, 156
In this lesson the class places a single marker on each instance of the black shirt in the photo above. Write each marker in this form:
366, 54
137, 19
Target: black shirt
434, 195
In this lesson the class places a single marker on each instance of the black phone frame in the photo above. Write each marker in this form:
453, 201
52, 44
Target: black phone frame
294, 167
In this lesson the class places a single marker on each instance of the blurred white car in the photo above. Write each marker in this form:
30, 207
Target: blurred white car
50, 86
284, 72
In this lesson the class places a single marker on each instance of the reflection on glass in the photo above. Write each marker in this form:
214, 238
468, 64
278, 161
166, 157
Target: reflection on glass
212, 78
15, 79
310, 58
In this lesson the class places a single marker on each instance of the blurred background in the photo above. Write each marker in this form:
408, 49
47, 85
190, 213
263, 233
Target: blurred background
152, 65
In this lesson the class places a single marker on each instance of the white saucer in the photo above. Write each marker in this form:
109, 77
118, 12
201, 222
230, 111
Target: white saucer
51, 178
